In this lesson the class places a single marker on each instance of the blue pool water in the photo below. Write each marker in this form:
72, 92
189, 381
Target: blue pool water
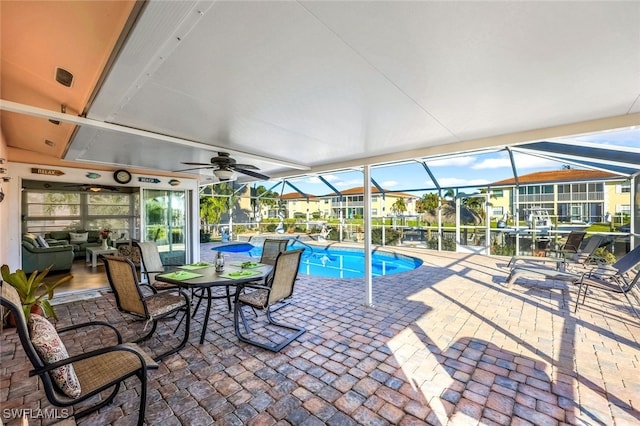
346, 262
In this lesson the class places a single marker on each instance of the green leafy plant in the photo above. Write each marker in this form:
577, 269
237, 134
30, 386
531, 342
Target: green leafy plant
33, 290
602, 255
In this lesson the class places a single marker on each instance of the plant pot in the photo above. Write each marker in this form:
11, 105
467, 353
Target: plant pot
105, 244
10, 319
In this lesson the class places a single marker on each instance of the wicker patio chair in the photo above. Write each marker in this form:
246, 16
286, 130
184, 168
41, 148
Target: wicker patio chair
123, 281
99, 370
263, 297
620, 278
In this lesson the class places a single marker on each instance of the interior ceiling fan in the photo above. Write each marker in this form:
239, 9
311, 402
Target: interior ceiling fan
92, 187
224, 168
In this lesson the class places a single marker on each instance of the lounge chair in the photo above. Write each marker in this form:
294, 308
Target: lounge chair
580, 257
620, 278
82, 376
616, 278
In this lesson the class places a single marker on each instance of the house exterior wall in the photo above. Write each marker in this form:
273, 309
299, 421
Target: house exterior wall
12, 233
352, 205
4, 207
576, 201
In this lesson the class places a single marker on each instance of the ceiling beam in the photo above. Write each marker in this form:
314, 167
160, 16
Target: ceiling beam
82, 121
497, 142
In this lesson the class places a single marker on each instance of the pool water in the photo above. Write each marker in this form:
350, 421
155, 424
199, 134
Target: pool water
346, 262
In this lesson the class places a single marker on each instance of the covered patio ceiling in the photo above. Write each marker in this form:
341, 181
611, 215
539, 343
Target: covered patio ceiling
305, 87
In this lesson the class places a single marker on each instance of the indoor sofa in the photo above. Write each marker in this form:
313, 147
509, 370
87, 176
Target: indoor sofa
83, 240
37, 254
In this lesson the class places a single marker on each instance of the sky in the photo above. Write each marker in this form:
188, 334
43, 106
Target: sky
463, 170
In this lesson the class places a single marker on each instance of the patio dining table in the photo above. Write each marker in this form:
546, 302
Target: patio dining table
203, 276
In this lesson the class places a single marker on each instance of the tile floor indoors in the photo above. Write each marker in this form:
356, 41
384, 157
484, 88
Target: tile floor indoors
444, 344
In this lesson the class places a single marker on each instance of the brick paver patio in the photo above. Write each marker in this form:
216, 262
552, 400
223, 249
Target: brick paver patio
444, 344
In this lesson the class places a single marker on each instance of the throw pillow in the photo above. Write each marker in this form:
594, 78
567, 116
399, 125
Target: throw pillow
78, 238
49, 346
42, 242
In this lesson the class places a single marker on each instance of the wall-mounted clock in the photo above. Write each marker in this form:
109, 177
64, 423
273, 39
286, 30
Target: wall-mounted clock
122, 176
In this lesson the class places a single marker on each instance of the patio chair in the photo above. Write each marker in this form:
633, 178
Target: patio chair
581, 256
617, 278
571, 245
152, 264
123, 280
263, 297
271, 248
82, 376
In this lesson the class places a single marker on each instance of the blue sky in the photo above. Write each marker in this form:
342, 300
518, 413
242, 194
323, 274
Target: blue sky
463, 170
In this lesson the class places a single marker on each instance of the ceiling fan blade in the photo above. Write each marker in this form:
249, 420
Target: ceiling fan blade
245, 166
188, 163
93, 187
252, 174
196, 168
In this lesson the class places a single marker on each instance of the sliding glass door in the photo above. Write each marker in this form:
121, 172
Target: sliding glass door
165, 222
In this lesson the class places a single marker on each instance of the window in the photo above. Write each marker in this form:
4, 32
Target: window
498, 193
624, 209
624, 187
47, 211
497, 211
50, 211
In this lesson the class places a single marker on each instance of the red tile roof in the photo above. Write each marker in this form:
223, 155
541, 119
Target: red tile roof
298, 196
358, 190
558, 176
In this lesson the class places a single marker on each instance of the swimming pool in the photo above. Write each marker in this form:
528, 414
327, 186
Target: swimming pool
346, 262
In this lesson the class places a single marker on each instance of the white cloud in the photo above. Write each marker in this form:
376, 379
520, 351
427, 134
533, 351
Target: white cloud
523, 161
316, 179
389, 184
349, 183
492, 163
454, 181
452, 162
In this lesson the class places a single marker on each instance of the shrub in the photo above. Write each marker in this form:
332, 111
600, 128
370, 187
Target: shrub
392, 236
205, 236
602, 255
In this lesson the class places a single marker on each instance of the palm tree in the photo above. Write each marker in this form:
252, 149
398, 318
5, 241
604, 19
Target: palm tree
399, 206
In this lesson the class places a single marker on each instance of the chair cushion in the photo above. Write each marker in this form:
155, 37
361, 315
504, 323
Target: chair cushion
49, 346
42, 242
257, 298
130, 252
163, 303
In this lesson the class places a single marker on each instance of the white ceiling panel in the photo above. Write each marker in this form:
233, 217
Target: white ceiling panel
329, 82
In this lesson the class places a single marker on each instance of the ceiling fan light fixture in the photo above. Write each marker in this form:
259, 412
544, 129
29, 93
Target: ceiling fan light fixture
224, 174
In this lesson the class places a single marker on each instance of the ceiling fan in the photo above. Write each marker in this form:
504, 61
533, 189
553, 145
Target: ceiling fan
224, 168
93, 187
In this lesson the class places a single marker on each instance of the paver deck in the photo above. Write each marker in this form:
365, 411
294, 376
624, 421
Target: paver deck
447, 343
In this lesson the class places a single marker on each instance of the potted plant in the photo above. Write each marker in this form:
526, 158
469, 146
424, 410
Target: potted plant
34, 292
